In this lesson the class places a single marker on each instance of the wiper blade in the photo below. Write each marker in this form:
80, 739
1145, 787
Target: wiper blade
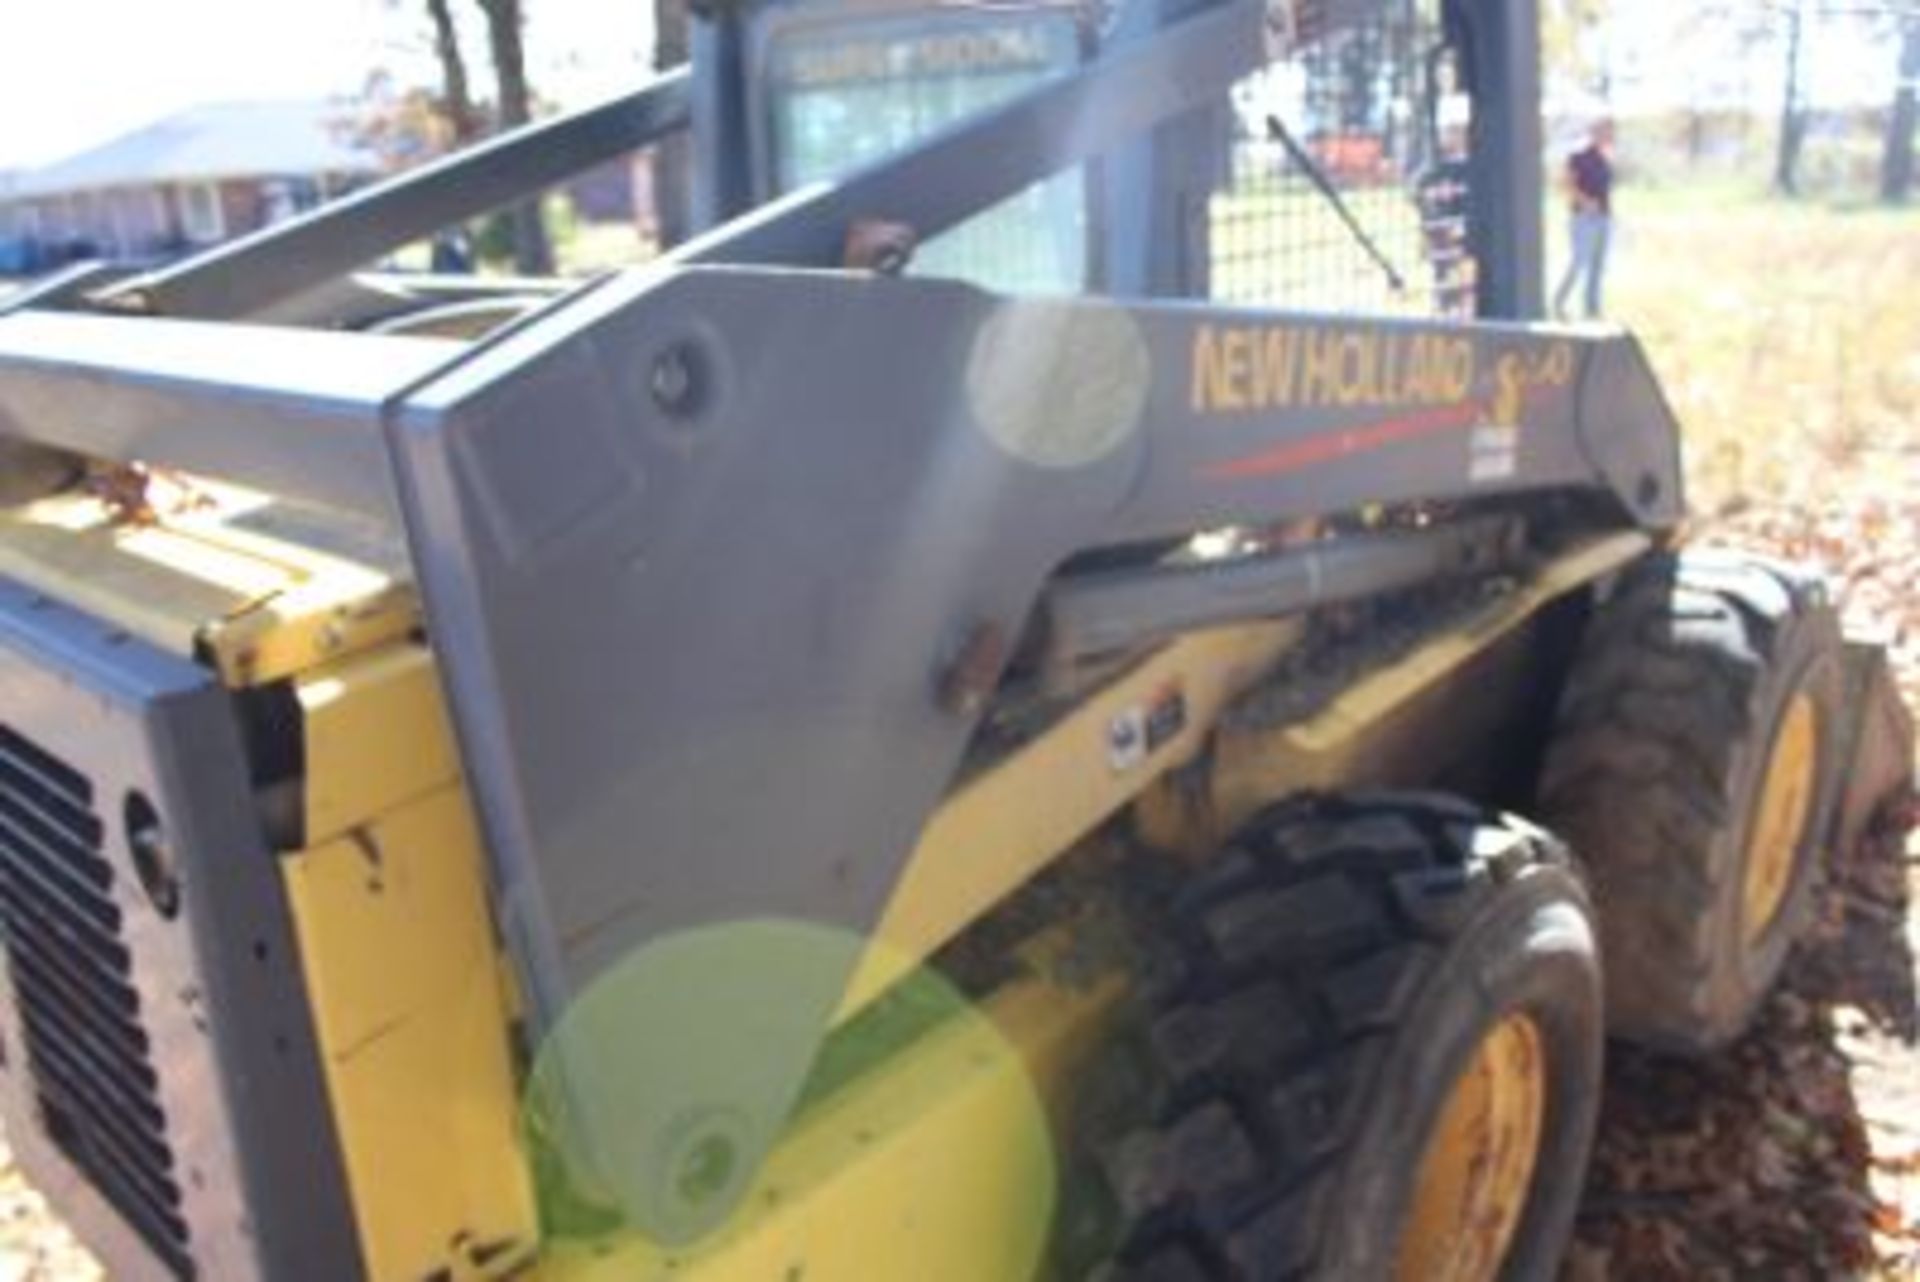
1324, 185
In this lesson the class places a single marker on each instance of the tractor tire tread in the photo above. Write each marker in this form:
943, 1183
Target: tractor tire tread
1296, 953
1646, 776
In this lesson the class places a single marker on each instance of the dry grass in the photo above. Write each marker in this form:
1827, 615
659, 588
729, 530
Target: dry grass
1788, 337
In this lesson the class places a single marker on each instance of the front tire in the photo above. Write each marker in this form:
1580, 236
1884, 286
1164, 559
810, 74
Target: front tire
1372, 1050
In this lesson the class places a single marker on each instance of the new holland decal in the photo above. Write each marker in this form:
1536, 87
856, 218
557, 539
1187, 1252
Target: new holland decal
1427, 384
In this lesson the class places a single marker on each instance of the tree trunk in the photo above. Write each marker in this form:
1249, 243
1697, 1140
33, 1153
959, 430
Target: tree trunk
1896, 170
672, 156
1793, 121
456, 91
532, 254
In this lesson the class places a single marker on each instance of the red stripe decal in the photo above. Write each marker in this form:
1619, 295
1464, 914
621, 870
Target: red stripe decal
1313, 451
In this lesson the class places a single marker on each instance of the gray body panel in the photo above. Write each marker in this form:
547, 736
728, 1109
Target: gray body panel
876, 469
287, 411
695, 654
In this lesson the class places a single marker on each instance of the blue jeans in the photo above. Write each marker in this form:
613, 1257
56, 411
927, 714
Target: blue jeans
1591, 231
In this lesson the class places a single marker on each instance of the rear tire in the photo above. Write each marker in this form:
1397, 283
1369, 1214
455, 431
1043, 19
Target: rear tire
1322, 990
1693, 771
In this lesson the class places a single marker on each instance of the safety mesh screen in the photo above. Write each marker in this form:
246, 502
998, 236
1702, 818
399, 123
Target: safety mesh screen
1372, 105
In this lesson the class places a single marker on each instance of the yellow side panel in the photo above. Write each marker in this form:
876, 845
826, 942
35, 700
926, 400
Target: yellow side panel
212, 574
937, 1166
376, 736
1001, 828
67, 548
401, 972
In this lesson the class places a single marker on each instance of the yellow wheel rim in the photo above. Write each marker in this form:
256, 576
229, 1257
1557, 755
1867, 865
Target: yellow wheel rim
1476, 1172
1780, 824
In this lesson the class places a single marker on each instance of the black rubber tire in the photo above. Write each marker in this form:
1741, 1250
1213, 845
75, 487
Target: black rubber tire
1319, 989
1654, 775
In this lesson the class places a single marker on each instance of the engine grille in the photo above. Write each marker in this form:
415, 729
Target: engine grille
86, 1051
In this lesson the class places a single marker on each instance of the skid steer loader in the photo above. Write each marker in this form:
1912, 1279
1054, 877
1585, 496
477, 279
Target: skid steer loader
969, 723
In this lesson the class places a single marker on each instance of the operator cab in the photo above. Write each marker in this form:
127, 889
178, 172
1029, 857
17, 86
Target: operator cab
1348, 174
835, 87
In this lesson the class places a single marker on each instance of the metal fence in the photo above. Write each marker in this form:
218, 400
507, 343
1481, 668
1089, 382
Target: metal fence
1371, 110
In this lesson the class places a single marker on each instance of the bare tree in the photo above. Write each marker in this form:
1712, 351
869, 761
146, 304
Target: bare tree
532, 252
456, 92
1795, 24
1901, 17
1793, 111
1896, 169
408, 124
1715, 29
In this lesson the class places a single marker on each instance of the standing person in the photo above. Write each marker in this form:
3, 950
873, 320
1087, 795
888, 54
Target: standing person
1590, 192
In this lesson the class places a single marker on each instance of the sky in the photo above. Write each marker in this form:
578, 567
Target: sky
74, 73
1842, 65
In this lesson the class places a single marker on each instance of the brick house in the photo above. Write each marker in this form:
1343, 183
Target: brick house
191, 179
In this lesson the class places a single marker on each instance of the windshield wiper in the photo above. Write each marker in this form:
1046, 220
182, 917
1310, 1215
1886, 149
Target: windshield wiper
1318, 177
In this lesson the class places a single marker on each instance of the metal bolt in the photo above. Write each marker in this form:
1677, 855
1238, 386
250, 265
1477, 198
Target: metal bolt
706, 1170
1648, 492
877, 245
675, 380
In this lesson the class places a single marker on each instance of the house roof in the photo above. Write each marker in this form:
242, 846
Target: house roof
219, 140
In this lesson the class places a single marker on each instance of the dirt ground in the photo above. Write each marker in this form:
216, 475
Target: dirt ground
1789, 339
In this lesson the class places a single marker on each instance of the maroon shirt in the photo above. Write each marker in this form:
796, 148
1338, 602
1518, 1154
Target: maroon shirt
1592, 176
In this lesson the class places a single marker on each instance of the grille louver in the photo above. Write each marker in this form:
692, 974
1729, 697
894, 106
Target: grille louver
86, 1051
